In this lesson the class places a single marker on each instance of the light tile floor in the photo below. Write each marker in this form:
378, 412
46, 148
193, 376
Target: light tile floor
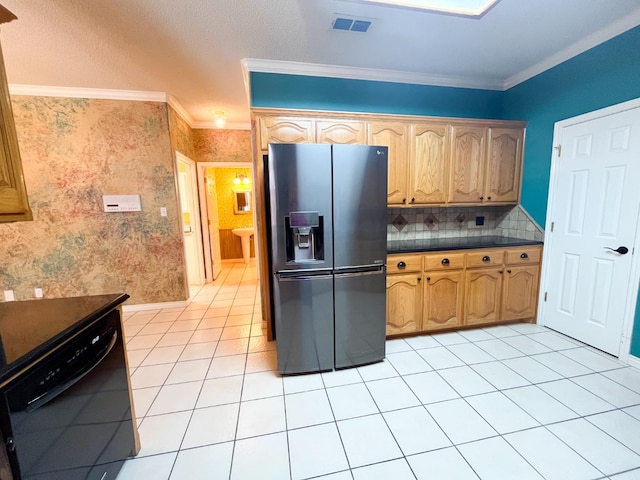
507, 402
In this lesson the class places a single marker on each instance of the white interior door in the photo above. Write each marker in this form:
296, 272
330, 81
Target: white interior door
594, 203
190, 216
214, 224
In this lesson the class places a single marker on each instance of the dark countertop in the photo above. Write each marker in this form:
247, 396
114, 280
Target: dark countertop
435, 244
29, 329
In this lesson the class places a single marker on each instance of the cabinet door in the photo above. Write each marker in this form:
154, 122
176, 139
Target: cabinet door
520, 292
394, 136
429, 165
285, 130
483, 287
14, 205
467, 164
504, 164
340, 131
404, 303
443, 300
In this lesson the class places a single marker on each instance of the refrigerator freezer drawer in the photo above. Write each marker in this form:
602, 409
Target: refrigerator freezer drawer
304, 323
360, 310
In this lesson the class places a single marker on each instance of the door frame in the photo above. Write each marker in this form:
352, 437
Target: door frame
204, 214
196, 218
548, 271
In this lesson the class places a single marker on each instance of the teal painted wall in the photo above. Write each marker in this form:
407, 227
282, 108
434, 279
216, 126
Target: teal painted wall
600, 77
603, 76
322, 93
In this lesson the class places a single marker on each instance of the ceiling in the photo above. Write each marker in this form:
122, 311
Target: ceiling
192, 49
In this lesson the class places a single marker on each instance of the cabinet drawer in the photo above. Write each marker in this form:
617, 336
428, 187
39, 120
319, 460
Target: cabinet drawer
485, 258
404, 263
443, 261
523, 255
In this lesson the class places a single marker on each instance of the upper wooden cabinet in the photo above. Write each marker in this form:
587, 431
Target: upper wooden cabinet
394, 136
341, 131
14, 205
432, 161
467, 164
429, 164
285, 130
504, 165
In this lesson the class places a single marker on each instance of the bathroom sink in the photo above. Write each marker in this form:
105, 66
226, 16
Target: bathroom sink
243, 232
245, 238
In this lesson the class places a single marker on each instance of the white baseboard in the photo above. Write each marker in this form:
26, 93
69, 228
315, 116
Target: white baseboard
155, 306
633, 361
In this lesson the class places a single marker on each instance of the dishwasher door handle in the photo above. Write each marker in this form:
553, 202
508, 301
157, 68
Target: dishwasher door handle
49, 395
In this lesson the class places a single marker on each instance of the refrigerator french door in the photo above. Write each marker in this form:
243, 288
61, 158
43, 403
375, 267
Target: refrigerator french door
328, 242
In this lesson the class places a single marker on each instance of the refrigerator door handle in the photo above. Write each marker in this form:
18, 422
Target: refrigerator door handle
360, 273
351, 268
295, 278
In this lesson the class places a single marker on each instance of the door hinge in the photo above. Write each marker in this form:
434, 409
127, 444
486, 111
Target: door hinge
545, 296
558, 148
206, 179
552, 225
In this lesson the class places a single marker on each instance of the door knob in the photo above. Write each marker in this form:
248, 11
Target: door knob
620, 250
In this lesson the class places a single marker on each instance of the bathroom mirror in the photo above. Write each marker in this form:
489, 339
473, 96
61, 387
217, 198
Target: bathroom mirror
241, 203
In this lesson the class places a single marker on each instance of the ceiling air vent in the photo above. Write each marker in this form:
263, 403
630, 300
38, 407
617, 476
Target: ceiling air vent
341, 23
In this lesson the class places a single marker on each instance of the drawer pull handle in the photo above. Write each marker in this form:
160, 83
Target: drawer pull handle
402, 265
524, 256
486, 258
445, 261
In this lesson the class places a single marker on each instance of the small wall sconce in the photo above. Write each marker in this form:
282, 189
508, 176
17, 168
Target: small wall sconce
220, 119
241, 179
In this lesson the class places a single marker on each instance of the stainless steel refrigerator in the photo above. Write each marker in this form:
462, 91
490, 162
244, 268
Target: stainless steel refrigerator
328, 215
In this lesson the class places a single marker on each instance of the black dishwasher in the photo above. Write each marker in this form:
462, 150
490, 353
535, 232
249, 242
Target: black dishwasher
68, 416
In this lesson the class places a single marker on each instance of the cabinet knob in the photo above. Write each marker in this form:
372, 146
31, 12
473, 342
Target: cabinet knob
508, 271
402, 265
413, 200
481, 198
419, 279
445, 261
524, 256
404, 200
488, 198
486, 258
428, 279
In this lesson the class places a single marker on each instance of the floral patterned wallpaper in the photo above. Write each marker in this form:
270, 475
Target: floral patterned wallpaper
222, 145
224, 185
182, 138
73, 152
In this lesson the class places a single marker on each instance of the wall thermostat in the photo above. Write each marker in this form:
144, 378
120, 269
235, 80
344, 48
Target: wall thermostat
121, 203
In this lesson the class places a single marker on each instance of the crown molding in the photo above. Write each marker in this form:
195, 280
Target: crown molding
76, 92
357, 73
228, 126
180, 110
596, 38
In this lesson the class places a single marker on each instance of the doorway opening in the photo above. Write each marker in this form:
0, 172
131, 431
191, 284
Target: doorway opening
227, 207
190, 222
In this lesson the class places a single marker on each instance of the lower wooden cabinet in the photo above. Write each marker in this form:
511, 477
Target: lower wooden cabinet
404, 303
446, 290
520, 292
483, 287
443, 300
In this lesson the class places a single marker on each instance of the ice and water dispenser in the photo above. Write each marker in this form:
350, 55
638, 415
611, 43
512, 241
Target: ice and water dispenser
305, 237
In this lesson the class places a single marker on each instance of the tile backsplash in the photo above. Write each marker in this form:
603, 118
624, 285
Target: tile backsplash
454, 222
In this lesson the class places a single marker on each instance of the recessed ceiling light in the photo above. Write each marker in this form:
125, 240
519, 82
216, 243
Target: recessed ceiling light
467, 8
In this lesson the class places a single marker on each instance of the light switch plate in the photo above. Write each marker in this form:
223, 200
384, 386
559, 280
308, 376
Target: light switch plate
9, 296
